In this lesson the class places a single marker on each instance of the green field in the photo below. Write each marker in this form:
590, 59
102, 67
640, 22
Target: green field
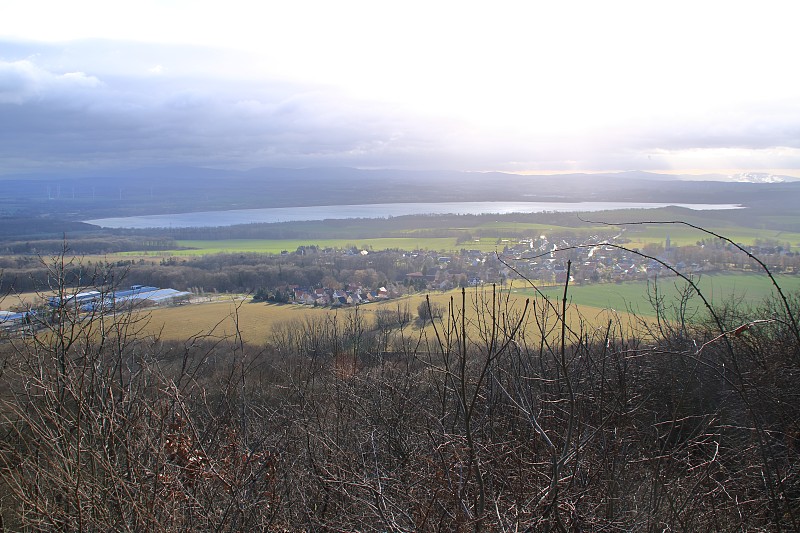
276, 246
681, 235
745, 289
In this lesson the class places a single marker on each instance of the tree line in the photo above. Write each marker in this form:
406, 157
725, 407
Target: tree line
245, 272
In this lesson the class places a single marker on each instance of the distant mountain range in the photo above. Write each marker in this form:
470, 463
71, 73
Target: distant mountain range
193, 173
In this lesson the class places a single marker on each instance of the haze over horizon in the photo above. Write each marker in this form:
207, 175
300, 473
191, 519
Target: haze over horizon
517, 87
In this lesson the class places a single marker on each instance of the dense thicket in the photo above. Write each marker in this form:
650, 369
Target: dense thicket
496, 417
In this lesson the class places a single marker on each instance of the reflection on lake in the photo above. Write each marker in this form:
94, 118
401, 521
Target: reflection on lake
323, 212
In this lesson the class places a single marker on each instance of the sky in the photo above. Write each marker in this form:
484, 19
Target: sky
518, 86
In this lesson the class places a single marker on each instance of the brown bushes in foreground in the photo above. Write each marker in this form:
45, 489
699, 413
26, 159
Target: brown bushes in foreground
501, 419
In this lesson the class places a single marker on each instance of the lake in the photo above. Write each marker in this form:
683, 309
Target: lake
323, 212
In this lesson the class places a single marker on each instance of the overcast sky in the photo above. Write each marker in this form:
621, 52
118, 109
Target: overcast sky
507, 85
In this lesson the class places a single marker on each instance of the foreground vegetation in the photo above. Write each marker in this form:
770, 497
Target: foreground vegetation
479, 411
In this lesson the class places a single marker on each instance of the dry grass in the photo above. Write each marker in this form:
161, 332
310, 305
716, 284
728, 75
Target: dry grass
20, 299
255, 321
219, 317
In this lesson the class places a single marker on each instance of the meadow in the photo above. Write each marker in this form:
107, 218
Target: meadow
276, 246
681, 235
227, 317
742, 289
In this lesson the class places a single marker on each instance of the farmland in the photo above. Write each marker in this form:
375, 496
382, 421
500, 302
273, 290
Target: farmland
274, 246
449, 234
229, 316
218, 318
744, 289
686, 236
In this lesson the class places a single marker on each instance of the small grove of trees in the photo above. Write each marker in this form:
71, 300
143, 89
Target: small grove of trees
428, 310
280, 296
492, 414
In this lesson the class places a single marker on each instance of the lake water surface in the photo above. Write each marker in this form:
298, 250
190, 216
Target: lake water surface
324, 212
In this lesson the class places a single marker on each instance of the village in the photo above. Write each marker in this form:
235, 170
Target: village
334, 278
539, 260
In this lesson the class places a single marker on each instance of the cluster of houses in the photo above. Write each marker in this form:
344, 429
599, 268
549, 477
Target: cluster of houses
338, 297
544, 261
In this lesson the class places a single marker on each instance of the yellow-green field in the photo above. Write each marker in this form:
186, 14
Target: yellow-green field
276, 246
254, 321
21, 300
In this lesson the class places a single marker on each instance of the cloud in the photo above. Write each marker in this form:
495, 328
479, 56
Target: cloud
18, 82
96, 103
22, 81
75, 118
